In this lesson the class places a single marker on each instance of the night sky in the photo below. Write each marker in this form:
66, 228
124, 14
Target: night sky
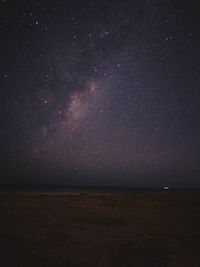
100, 92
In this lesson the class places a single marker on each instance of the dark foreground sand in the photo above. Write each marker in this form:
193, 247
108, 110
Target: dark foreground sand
154, 229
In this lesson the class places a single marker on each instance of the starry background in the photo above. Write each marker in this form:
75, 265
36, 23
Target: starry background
100, 92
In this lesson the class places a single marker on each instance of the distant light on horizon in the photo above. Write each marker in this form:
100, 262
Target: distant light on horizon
166, 188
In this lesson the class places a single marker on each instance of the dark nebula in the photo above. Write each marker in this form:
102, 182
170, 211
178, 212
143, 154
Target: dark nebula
100, 92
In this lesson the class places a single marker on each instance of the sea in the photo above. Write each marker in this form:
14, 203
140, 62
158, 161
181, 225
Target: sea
77, 190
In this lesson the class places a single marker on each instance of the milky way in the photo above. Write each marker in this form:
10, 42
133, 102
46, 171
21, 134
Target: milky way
100, 92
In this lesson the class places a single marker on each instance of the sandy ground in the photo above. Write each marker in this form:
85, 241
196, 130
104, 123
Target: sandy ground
153, 229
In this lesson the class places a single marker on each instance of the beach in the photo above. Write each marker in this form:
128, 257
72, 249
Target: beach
144, 229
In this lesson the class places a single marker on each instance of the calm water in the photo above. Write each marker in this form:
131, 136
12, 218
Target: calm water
47, 189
